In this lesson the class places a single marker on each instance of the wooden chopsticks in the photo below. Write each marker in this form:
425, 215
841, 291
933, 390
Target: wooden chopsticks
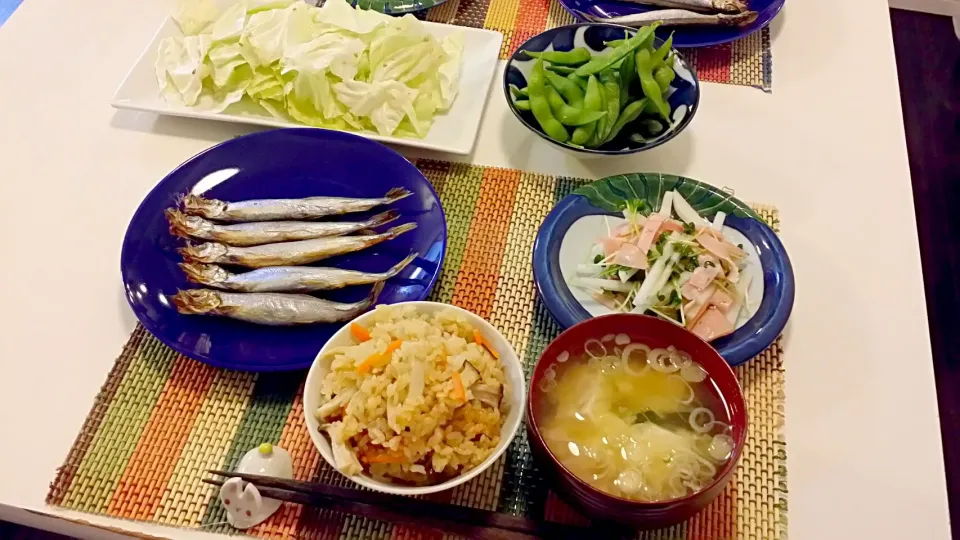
446, 518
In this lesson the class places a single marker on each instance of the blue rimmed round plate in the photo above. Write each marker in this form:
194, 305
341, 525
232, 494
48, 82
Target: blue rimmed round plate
284, 163
564, 239
684, 36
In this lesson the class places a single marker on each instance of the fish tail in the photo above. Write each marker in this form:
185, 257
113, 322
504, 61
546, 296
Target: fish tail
204, 274
383, 218
585, 16
196, 301
400, 229
178, 223
374, 293
397, 193
397, 268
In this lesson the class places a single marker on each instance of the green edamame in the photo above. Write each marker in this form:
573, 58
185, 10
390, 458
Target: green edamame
522, 104
628, 72
649, 85
601, 123
572, 93
573, 57
610, 84
664, 76
567, 115
562, 70
518, 93
600, 63
541, 108
659, 56
629, 113
591, 102
579, 81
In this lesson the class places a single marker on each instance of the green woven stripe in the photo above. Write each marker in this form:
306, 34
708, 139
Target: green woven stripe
263, 422
112, 447
459, 198
67, 473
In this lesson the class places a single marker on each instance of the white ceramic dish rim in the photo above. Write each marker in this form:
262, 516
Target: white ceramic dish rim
463, 120
513, 370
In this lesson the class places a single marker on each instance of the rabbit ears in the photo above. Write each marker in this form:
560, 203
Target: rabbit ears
240, 496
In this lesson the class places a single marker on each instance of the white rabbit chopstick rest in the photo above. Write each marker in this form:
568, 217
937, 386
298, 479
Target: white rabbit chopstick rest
245, 507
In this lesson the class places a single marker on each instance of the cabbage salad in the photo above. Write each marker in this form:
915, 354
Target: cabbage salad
684, 270
334, 66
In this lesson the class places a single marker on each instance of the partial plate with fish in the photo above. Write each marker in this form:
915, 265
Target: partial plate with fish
695, 23
595, 212
280, 164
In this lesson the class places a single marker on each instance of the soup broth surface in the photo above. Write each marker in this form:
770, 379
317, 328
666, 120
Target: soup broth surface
635, 422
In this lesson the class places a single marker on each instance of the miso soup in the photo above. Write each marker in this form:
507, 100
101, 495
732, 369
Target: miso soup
635, 422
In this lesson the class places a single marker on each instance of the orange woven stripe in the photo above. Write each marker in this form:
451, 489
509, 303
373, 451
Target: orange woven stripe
719, 519
144, 481
295, 439
480, 270
531, 20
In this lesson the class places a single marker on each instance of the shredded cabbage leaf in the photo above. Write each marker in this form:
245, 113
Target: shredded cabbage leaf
334, 66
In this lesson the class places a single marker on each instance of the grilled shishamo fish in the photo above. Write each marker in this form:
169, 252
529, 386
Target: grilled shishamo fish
283, 209
267, 232
287, 278
275, 309
709, 6
676, 17
287, 253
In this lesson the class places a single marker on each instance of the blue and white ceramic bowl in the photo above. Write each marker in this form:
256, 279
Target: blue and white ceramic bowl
684, 97
565, 237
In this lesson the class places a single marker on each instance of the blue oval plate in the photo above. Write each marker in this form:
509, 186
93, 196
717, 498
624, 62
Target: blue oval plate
684, 96
684, 36
580, 218
286, 163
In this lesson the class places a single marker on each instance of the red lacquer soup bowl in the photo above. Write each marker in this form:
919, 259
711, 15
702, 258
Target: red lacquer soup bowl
655, 333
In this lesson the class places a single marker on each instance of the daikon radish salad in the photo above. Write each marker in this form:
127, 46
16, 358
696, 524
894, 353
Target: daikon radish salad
635, 422
673, 263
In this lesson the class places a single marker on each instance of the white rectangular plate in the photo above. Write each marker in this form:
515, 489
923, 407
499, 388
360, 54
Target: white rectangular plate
453, 132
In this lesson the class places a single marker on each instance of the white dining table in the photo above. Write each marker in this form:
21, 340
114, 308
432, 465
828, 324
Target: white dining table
826, 147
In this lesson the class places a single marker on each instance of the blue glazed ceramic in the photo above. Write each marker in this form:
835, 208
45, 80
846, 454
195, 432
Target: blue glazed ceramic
286, 163
684, 36
571, 227
396, 7
683, 100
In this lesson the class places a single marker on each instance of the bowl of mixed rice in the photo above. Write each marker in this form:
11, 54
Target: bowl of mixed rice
414, 398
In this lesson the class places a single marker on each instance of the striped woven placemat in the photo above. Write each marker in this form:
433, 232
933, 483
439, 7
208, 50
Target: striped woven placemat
745, 62
162, 419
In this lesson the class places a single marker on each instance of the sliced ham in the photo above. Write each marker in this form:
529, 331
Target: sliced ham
721, 250
722, 300
718, 245
611, 245
689, 291
649, 232
703, 276
627, 228
631, 256
712, 324
671, 225
695, 308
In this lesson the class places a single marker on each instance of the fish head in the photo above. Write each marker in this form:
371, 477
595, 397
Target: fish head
184, 225
208, 252
196, 301
205, 274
